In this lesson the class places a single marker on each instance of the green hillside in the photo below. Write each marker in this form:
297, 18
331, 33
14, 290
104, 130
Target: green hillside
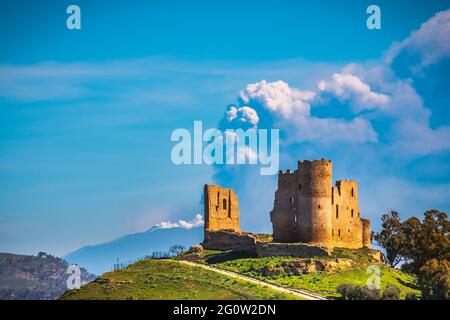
274, 269
168, 279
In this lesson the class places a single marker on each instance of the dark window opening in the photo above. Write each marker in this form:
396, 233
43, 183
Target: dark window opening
291, 199
300, 186
318, 206
337, 211
339, 232
352, 213
224, 204
332, 232
353, 193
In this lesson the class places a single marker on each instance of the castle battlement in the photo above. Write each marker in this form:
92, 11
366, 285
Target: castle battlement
309, 208
285, 173
310, 215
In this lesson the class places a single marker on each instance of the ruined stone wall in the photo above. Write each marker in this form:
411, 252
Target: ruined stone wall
314, 201
366, 232
300, 250
308, 209
347, 225
229, 240
284, 215
221, 209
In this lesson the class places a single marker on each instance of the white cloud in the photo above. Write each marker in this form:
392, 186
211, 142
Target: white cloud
409, 134
242, 115
350, 88
431, 42
245, 154
196, 222
417, 139
289, 109
356, 130
277, 97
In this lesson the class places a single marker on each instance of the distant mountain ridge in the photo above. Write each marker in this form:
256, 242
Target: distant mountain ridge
41, 277
100, 258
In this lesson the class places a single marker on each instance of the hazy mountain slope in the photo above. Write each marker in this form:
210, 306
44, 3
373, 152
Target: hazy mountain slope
34, 277
101, 258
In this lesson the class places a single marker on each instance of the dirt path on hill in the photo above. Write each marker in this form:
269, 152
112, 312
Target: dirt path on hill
297, 292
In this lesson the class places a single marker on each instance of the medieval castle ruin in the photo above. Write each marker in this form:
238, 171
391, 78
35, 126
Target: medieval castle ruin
310, 216
307, 208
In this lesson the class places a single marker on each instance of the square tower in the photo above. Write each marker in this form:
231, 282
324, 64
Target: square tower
221, 209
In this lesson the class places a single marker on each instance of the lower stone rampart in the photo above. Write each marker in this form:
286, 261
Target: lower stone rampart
229, 240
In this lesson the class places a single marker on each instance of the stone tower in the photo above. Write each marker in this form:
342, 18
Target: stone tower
314, 201
222, 230
309, 209
221, 209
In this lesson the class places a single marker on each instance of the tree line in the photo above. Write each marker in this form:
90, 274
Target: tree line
421, 247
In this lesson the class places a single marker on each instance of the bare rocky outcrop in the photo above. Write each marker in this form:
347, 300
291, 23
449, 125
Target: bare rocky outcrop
377, 255
195, 248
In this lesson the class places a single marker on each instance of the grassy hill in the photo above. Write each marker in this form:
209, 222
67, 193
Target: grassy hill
322, 283
168, 279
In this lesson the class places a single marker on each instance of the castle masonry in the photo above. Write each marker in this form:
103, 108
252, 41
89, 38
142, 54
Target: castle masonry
309, 209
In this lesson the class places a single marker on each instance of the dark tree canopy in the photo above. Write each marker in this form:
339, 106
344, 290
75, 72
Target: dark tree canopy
391, 238
422, 246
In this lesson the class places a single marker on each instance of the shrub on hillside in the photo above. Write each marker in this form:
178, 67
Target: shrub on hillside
176, 250
391, 292
410, 296
355, 292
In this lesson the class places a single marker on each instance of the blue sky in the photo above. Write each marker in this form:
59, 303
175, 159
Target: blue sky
86, 115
